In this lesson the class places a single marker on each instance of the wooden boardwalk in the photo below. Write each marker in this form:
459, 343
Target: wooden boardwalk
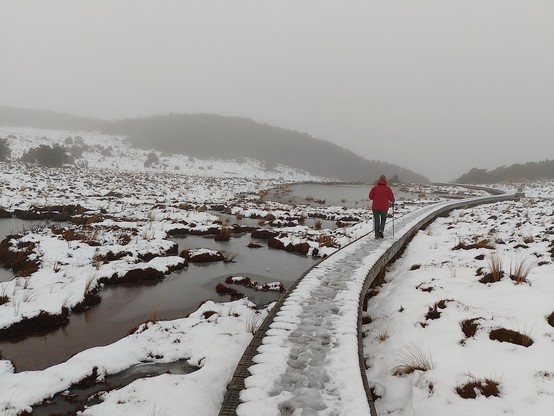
317, 325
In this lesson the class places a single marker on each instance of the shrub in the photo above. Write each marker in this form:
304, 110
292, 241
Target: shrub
5, 151
151, 159
51, 156
76, 151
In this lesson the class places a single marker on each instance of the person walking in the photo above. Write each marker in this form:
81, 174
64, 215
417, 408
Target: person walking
381, 194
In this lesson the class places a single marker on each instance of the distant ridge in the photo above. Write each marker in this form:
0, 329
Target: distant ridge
208, 135
517, 172
43, 119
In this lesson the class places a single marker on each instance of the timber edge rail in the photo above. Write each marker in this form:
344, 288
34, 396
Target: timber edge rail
232, 396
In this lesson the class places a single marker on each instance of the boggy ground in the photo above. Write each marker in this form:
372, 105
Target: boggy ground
89, 235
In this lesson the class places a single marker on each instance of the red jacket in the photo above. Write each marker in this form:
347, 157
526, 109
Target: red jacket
381, 194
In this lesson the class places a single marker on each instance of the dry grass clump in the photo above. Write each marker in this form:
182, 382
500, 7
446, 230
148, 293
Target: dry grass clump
253, 324
366, 320
485, 387
207, 314
326, 241
511, 336
520, 269
415, 266
383, 334
469, 327
4, 299
433, 312
550, 319
412, 359
483, 243
528, 239
317, 224
224, 234
495, 269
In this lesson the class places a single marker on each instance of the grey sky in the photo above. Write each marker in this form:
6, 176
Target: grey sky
436, 86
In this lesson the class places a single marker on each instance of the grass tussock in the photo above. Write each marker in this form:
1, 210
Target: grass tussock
477, 244
496, 273
326, 241
550, 319
511, 336
485, 387
366, 320
469, 327
528, 239
412, 358
520, 269
224, 234
383, 334
253, 324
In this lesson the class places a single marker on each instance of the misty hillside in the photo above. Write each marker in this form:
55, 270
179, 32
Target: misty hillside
205, 135
42, 119
515, 173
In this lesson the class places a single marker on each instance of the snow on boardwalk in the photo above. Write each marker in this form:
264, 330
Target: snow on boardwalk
307, 363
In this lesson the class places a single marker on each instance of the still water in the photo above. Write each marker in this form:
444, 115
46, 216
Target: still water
124, 307
348, 195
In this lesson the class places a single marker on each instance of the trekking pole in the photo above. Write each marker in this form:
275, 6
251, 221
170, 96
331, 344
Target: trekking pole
393, 220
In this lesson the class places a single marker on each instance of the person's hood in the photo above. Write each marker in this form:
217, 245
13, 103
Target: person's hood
381, 182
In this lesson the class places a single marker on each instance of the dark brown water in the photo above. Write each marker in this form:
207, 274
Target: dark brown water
124, 307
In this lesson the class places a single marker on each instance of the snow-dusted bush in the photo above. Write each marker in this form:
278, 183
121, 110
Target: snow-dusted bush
5, 151
50, 156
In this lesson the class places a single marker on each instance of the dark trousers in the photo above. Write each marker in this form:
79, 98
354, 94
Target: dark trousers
379, 219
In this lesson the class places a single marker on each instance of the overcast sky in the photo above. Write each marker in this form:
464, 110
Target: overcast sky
436, 86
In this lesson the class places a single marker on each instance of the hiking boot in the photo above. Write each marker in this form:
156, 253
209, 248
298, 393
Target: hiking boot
381, 234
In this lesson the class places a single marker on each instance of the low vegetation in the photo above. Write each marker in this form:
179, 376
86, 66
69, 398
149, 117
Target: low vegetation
511, 336
5, 151
484, 387
520, 269
517, 172
412, 358
50, 156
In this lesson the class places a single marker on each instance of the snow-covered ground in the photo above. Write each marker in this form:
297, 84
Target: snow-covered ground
432, 299
132, 208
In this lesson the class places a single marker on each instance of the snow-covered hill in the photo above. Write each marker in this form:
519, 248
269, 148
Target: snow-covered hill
101, 151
